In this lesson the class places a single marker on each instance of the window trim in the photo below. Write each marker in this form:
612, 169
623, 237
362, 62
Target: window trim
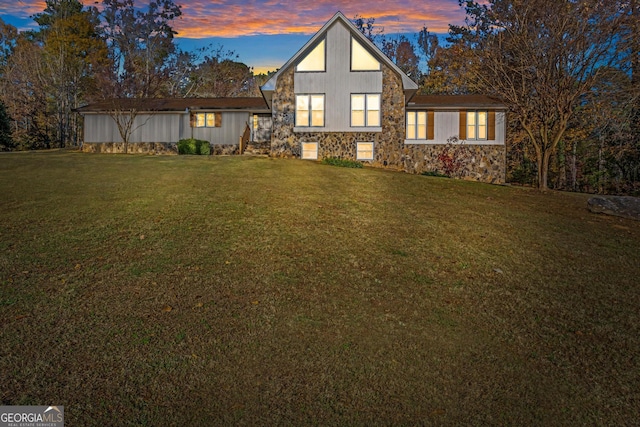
476, 125
366, 50
324, 64
366, 110
373, 152
302, 143
206, 115
310, 121
416, 133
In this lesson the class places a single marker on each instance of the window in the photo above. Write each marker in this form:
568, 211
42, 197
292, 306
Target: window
364, 151
255, 124
416, 125
477, 125
365, 110
361, 59
205, 120
310, 150
310, 110
314, 61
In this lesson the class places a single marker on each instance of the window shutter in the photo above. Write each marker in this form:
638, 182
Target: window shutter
491, 125
430, 132
218, 122
192, 119
463, 125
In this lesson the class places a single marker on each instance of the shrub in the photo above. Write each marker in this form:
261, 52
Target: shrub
454, 157
333, 161
194, 146
434, 173
202, 147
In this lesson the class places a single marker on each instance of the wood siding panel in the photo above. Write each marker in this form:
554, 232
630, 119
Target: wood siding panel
447, 124
430, 124
338, 82
491, 125
232, 126
462, 128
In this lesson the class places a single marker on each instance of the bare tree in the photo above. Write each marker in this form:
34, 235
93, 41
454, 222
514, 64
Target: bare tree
541, 58
140, 44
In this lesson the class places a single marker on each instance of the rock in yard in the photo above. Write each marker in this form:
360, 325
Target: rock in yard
624, 206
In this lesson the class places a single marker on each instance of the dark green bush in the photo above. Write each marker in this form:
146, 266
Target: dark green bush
194, 146
434, 173
202, 147
341, 162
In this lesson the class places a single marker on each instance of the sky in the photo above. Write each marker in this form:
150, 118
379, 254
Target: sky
266, 33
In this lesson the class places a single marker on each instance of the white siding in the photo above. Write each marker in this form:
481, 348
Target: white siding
233, 124
165, 127
338, 82
447, 124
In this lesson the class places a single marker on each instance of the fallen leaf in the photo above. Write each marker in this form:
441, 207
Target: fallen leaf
497, 270
77, 266
254, 302
167, 308
142, 237
199, 304
227, 262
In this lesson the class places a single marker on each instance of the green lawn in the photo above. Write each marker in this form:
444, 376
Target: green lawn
140, 290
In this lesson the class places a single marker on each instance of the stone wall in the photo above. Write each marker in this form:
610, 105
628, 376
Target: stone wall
484, 163
152, 148
134, 147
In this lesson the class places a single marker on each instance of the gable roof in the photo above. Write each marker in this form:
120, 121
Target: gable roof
178, 104
408, 85
455, 102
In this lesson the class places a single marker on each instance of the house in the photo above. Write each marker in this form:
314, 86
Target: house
338, 96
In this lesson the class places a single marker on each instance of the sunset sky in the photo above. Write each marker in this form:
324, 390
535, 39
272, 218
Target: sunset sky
266, 33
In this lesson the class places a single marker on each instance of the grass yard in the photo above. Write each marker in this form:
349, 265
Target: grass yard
139, 290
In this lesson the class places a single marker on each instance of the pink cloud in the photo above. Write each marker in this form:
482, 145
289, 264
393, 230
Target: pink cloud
233, 18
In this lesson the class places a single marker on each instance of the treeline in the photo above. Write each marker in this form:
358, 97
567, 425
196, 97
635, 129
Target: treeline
79, 54
569, 71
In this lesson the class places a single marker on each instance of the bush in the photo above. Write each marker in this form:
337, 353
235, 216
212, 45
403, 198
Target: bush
341, 162
194, 146
434, 173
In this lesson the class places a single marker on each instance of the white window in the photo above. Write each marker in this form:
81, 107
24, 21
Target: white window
476, 125
207, 120
361, 59
416, 125
365, 151
310, 150
314, 61
365, 110
310, 110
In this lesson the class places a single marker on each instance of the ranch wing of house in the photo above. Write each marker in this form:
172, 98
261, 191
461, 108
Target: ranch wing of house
338, 96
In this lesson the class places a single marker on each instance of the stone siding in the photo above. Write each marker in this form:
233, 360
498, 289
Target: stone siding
152, 148
484, 163
134, 147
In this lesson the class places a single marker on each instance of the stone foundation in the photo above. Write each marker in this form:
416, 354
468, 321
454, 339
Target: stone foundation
224, 149
134, 147
151, 148
485, 163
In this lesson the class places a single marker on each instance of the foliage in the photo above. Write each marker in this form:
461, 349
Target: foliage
434, 173
344, 163
6, 141
454, 157
194, 146
523, 57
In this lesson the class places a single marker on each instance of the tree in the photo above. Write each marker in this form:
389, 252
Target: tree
6, 141
140, 45
541, 58
72, 49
